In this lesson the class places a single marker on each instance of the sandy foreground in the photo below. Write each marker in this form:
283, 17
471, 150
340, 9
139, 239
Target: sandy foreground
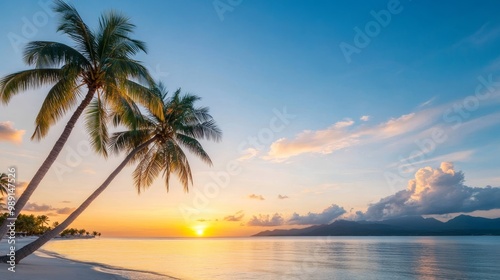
41, 266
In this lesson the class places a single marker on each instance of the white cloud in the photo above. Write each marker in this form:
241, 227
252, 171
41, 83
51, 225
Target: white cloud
248, 154
434, 191
408, 164
428, 102
344, 123
365, 118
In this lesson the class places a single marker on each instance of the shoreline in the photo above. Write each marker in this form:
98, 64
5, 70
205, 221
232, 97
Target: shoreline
50, 265
109, 269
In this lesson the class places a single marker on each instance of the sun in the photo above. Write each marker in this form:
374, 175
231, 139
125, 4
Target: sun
199, 230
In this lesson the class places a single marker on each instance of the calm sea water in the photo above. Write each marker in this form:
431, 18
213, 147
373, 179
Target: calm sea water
295, 258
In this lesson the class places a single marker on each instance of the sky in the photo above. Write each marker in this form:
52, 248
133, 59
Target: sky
332, 109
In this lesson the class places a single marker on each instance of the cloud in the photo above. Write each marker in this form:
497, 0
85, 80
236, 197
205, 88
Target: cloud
344, 123
325, 217
325, 141
365, 118
10, 134
344, 134
65, 201
482, 36
255, 196
428, 102
267, 220
434, 191
34, 207
248, 154
89, 171
409, 164
65, 210
20, 186
235, 218
203, 220
282, 196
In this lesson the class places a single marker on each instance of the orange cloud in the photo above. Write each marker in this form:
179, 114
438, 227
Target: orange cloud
10, 134
235, 218
342, 135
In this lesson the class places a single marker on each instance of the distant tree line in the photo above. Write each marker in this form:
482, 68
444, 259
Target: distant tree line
30, 225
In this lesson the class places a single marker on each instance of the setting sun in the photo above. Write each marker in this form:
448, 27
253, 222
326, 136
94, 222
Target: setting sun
199, 230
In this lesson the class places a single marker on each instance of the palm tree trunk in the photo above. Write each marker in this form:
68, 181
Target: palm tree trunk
46, 237
51, 158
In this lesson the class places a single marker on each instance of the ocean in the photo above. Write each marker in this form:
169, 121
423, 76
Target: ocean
469, 257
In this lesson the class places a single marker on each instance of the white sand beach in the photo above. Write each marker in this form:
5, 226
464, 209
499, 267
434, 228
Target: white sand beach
44, 267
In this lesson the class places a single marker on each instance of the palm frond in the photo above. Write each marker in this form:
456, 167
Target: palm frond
125, 112
180, 165
148, 169
73, 25
12, 84
147, 97
113, 37
206, 130
128, 140
125, 68
60, 98
194, 147
96, 119
45, 54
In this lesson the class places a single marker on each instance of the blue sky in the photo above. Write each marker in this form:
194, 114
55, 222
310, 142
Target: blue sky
262, 56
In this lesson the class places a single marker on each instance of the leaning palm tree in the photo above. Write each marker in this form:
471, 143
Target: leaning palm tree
156, 146
99, 62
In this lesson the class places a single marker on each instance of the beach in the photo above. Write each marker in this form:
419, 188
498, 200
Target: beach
45, 267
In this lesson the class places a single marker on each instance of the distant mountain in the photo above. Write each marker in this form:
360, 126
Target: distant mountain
405, 226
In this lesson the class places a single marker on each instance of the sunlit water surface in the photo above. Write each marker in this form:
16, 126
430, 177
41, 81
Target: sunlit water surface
294, 258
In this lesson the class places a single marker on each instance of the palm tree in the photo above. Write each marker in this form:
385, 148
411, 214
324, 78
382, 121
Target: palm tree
43, 220
4, 187
156, 146
4, 183
100, 62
